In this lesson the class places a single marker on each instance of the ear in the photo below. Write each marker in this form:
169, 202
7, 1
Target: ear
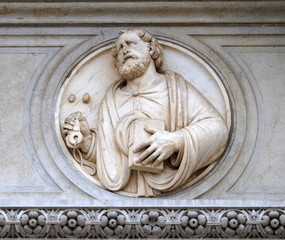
151, 48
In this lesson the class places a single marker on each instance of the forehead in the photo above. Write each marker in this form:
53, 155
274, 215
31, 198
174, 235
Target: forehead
129, 36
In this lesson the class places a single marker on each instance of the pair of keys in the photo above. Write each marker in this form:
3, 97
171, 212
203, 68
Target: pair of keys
74, 137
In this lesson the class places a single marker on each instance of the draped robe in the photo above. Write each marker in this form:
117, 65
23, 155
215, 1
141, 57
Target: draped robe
203, 131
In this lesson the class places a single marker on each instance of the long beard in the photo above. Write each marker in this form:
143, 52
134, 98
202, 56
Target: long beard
133, 67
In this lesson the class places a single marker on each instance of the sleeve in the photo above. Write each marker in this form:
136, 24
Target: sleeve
91, 155
205, 135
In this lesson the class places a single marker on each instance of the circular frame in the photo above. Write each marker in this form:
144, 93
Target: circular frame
195, 190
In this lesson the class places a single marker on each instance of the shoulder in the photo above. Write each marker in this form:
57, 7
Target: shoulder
176, 79
113, 87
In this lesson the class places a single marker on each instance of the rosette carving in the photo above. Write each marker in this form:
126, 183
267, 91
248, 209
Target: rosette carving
193, 223
142, 223
273, 223
234, 223
153, 223
33, 223
113, 223
73, 223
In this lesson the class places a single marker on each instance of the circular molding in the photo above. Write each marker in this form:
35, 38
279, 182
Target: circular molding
228, 86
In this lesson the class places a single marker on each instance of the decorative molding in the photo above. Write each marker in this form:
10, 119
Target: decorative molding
142, 223
130, 13
44, 23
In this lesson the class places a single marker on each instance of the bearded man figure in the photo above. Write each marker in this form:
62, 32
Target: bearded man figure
194, 134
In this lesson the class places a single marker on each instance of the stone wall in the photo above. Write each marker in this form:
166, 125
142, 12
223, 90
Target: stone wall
242, 196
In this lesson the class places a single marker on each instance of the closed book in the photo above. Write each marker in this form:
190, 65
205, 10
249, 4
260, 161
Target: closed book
137, 136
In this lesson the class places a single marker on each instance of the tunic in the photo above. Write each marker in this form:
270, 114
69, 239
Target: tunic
183, 109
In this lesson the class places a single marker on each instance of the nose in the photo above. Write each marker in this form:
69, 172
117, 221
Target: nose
125, 49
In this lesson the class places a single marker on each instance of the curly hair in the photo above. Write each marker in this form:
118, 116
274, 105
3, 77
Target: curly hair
157, 54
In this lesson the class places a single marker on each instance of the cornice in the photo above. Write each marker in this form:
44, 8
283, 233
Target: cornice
82, 13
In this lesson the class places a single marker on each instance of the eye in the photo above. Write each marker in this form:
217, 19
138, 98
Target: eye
120, 47
130, 43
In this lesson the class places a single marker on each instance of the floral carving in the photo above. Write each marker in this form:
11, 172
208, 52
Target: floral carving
153, 223
273, 223
233, 223
142, 223
193, 223
72, 223
33, 222
113, 223
2, 222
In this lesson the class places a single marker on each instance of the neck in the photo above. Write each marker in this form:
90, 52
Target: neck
150, 78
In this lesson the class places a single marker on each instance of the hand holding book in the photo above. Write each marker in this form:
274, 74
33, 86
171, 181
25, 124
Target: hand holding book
158, 146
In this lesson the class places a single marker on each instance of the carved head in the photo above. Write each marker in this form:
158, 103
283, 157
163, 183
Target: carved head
153, 48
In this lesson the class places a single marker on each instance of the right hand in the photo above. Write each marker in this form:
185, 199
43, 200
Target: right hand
84, 129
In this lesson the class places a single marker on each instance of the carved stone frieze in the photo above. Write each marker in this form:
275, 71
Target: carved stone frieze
142, 223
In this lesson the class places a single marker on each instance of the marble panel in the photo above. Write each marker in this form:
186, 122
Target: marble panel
238, 43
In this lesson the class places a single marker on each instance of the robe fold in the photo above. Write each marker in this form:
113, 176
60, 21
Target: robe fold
203, 130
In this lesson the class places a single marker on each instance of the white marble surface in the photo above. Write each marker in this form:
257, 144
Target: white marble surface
34, 62
12, 144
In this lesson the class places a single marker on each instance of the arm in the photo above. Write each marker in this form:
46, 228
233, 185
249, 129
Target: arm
205, 135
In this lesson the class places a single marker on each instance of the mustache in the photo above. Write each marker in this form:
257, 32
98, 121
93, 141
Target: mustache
129, 56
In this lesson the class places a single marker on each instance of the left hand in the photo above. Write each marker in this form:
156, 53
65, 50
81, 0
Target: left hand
68, 127
159, 147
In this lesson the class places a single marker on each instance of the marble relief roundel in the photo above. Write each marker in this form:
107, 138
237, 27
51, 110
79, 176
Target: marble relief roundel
143, 117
